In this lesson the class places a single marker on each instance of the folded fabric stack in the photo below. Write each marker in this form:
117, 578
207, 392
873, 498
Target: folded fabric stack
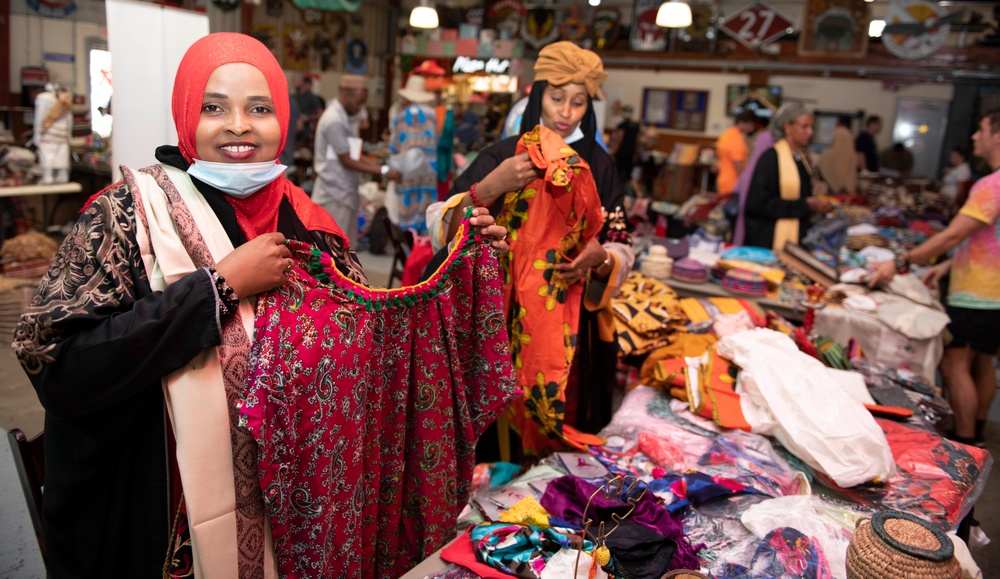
647, 315
745, 282
690, 271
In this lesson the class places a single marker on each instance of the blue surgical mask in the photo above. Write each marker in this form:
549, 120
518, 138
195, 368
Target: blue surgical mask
239, 180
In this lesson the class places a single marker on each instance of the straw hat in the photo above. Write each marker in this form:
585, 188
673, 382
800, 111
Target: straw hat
416, 91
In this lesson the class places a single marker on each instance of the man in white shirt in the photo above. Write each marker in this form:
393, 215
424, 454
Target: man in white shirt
957, 173
337, 174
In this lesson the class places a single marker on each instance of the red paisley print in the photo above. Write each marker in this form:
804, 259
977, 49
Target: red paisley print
367, 404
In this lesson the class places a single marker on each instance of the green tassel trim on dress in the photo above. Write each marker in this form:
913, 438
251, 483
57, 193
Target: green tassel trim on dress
317, 268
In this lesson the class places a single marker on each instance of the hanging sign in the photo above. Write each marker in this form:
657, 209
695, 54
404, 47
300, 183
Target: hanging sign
646, 35
506, 16
52, 8
357, 56
604, 27
540, 27
466, 65
757, 25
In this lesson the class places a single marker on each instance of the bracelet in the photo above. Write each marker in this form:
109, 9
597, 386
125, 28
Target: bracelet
228, 300
607, 262
475, 198
902, 262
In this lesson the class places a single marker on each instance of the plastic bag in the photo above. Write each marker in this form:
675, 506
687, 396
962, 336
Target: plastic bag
789, 395
800, 513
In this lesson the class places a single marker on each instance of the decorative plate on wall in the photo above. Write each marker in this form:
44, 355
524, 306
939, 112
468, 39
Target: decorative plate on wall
916, 28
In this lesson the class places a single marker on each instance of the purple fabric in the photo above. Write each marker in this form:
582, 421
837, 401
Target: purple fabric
567, 496
763, 142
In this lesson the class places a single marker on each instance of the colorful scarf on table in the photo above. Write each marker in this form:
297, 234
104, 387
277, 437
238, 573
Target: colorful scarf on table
522, 551
784, 553
366, 406
549, 221
711, 390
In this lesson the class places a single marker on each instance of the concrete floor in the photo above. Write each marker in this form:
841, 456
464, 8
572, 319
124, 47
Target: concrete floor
19, 408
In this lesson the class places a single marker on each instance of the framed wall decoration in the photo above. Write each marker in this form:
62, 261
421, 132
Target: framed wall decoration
604, 27
834, 28
915, 29
696, 37
646, 36
540, 27
690, 110
681, 110
656, 107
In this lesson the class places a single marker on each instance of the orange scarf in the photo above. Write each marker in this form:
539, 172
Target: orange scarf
549, 221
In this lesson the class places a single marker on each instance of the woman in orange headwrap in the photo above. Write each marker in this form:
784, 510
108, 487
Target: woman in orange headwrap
157, 282
570, 252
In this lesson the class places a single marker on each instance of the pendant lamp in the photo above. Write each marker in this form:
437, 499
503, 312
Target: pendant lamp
673, 14
424, 16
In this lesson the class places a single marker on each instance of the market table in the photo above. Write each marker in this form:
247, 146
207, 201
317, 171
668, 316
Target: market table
43, 191
711, 290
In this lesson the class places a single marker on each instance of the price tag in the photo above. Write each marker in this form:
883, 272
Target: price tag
757, 25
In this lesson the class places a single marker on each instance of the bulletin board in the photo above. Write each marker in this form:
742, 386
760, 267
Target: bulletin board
678, 109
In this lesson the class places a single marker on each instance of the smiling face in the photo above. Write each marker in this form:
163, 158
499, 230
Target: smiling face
238, 123
563, 107
800, 131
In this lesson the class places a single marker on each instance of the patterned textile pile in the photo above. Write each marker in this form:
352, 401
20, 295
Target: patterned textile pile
366, 406
647, 315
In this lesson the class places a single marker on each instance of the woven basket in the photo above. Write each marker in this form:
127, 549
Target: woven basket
684, 574
897, 544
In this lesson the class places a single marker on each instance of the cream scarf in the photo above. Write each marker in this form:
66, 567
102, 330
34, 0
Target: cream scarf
787, 229
195, 395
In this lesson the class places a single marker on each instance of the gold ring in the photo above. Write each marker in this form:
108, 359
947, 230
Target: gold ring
290, 265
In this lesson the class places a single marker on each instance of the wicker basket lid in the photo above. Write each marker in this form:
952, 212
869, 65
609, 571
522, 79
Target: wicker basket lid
898, 544
684, 574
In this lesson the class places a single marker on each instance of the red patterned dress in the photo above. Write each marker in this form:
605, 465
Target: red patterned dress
366, 405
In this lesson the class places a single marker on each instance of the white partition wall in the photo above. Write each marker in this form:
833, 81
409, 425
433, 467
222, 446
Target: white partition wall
146, 42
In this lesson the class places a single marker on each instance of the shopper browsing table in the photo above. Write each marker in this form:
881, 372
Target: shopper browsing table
157, 282
779, 201
551, 255
973, 292
865, 146
732, 151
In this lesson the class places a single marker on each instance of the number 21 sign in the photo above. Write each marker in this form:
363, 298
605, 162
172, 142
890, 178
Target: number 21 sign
756, 25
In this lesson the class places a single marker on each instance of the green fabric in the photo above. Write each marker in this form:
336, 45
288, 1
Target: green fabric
331, 5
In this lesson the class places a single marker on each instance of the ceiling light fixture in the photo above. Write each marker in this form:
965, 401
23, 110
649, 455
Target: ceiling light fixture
875, 28
424, 16
673, 14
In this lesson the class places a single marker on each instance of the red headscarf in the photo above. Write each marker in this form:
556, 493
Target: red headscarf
258, 213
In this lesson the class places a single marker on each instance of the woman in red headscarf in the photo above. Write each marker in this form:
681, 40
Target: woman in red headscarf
156, 284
